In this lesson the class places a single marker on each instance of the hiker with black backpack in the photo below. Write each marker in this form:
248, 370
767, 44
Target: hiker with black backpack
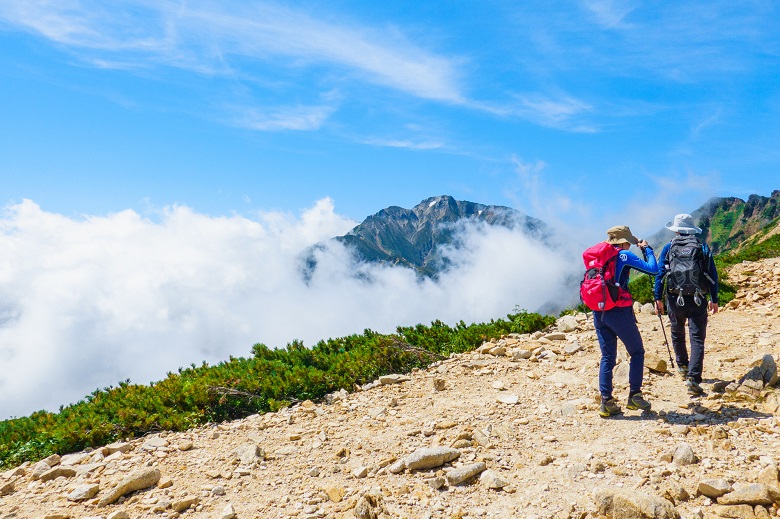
604, 289
688, 271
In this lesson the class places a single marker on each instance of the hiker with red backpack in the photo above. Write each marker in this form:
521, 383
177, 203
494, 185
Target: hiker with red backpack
688, 270
604, 289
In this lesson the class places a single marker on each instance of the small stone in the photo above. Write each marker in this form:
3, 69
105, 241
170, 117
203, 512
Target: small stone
506, 397
184, 445
138, 480
566, 324
387, 380
370, 505
714, 488
185, 504
749, 494
335, 493
436, 482
7, 488
734, 511
466, 472
430, 457
83, 492
249, 453
122, 447
683, 455
56, 472
492, 479
228, 512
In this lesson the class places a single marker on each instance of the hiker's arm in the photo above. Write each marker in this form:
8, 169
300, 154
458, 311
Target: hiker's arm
712, 271
658, 286
713, 282
648, 266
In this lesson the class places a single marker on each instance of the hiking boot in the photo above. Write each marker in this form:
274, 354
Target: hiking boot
694, 389
637, 401
682, 369
609, 408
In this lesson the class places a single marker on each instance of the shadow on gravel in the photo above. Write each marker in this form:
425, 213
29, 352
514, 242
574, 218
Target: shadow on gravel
730, 412
634, 416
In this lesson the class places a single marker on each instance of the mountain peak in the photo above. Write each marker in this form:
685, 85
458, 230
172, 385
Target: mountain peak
413, 237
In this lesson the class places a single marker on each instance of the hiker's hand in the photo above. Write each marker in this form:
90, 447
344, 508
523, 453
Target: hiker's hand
713, 307
642, 244
659, 306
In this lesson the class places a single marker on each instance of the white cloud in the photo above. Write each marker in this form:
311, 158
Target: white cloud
88, 302
609, 13
559, 111
707, 121
202, 36
300, 118
406, 144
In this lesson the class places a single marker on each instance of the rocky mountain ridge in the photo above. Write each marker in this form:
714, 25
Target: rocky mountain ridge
414, 237
509, 430
728, 223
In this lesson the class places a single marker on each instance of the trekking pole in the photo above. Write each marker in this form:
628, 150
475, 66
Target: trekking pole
665, 340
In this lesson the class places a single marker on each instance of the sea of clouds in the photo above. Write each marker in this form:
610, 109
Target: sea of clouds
89, 301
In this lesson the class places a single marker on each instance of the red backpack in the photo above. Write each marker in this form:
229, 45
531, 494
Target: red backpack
599, 290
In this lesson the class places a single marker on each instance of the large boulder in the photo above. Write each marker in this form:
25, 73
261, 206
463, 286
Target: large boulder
619, 503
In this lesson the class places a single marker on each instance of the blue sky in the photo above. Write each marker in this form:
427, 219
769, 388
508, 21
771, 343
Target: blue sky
233, 107
164, 164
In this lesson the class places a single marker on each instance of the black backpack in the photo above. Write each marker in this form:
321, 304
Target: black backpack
688, 265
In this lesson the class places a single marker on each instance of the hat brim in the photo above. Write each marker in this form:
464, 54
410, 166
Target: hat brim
618, 241
683, 230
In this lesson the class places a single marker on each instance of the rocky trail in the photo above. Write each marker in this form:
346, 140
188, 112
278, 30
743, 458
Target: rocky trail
510, 430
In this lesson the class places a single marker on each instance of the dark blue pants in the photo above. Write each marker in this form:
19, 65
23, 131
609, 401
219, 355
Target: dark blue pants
696, 315
619, 323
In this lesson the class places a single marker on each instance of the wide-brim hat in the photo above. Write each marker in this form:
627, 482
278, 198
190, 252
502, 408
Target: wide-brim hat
683, 223
621, 234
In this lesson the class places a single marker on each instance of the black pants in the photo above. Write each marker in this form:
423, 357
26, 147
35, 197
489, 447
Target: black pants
696, 316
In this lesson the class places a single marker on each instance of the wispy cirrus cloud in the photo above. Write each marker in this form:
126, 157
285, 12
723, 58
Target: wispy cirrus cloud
201, 35
610, 14
558, 111
300, 117
406, 144
705, 122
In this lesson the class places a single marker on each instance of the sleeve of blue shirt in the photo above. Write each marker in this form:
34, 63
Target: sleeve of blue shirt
713, 273
627, 260
663, 266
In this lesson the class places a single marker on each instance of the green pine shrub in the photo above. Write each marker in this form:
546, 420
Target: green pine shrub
267, 381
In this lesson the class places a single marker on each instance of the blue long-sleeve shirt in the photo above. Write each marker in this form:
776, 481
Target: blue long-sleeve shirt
627, 260
663, 260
